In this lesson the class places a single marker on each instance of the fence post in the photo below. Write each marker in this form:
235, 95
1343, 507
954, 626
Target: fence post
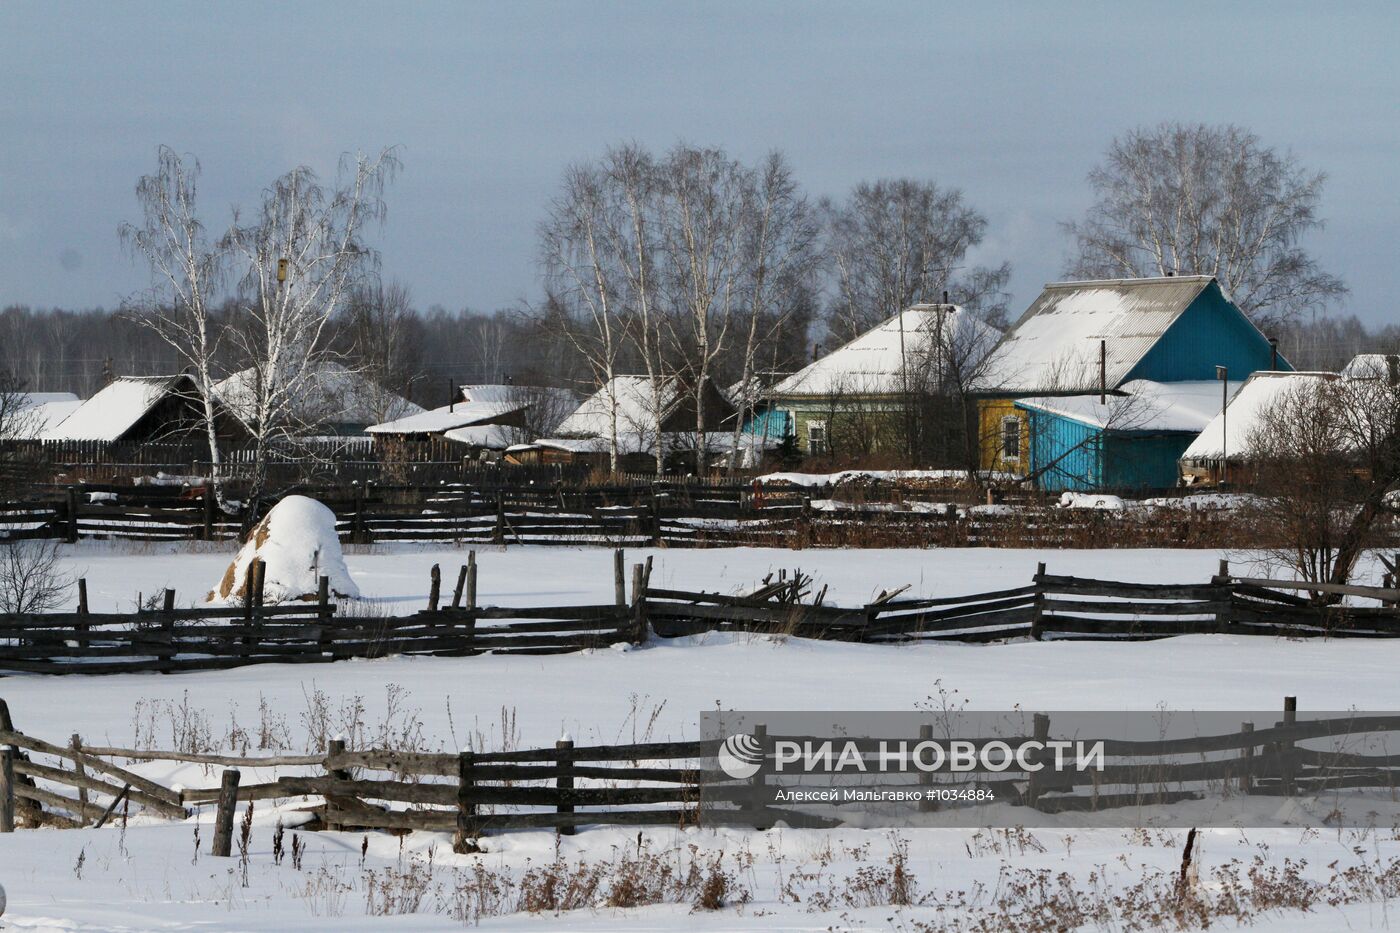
357, 524
72, 515
223, 816
758, 784
564, 782
323, 615
334, 747
639, 604
619, 578
498, 534
926, 805
655, 519
463, 839
209, 513
1035, 785
461, 585
167, 630
1038, 605
1247, 762
1287, 765
81, 626
471, 580
7, 789
434, 587
76, 743
32, 809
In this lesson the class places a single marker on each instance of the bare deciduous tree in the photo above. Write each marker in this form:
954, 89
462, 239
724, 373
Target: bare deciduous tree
901, 242
705, 196
303, 254
378, 328
187, 271
1192, 199
781, 257
584, 290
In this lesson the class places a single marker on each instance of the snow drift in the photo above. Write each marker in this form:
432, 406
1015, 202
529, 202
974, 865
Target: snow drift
298, 543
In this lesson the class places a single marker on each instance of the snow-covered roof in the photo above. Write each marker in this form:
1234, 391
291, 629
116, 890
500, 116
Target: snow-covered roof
439, 420
633, 443
35, 399
332, 394
636, 402
480, 405
872, 363
115, 409
1372, 366
1054, 347
1142, 405
490, 436
1242, 417
33, 413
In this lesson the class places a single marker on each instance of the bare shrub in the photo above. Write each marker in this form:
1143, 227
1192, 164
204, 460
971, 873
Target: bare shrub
30, 577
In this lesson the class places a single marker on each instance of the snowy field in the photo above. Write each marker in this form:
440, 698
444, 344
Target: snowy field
147, 877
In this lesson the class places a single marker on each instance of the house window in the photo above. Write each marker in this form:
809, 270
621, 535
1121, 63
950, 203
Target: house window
816, 438
1011, 438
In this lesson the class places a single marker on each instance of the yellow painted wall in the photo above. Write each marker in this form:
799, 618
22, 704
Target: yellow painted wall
989, 414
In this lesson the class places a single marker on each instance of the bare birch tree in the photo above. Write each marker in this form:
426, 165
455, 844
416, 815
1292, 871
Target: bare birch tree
302, 255
1193, 199
584, 293
705, 196
631, 176
187, 271
781, 255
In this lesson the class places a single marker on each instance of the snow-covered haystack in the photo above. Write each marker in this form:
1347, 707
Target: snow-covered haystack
297, 542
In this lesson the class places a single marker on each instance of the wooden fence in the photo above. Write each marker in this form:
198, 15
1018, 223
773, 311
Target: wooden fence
74, 784
671, 514
454, 624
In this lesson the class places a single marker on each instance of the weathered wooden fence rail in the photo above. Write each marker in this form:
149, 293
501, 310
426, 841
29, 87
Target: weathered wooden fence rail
674, 783
171, 640
669, 514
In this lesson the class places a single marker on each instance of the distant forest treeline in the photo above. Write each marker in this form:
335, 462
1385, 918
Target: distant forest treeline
60, 350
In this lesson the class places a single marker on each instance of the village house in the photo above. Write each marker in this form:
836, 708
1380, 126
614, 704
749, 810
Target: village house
1221, 452
875, 393
632, 404
333, 401
1103, 384
143, 410
485, 419
31, 414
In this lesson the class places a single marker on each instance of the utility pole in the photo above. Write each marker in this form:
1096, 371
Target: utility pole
1223, 374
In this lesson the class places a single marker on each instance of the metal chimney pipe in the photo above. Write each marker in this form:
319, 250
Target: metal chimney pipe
1103, 372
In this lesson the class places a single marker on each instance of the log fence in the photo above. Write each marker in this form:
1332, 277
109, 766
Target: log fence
660, 514
566, 787
173, 639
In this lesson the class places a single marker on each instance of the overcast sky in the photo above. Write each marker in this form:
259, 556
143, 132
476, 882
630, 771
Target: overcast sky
1012, 103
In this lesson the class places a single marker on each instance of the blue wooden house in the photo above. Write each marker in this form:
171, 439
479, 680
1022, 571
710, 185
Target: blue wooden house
1103, 384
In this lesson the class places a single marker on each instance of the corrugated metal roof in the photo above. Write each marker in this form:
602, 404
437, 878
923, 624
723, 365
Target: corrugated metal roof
872, 363
1054, 347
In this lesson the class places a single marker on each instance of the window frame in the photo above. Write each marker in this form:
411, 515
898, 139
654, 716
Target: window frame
1007, 420
812, 448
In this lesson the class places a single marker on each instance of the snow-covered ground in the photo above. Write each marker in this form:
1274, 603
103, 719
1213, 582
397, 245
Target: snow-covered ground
147, 877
